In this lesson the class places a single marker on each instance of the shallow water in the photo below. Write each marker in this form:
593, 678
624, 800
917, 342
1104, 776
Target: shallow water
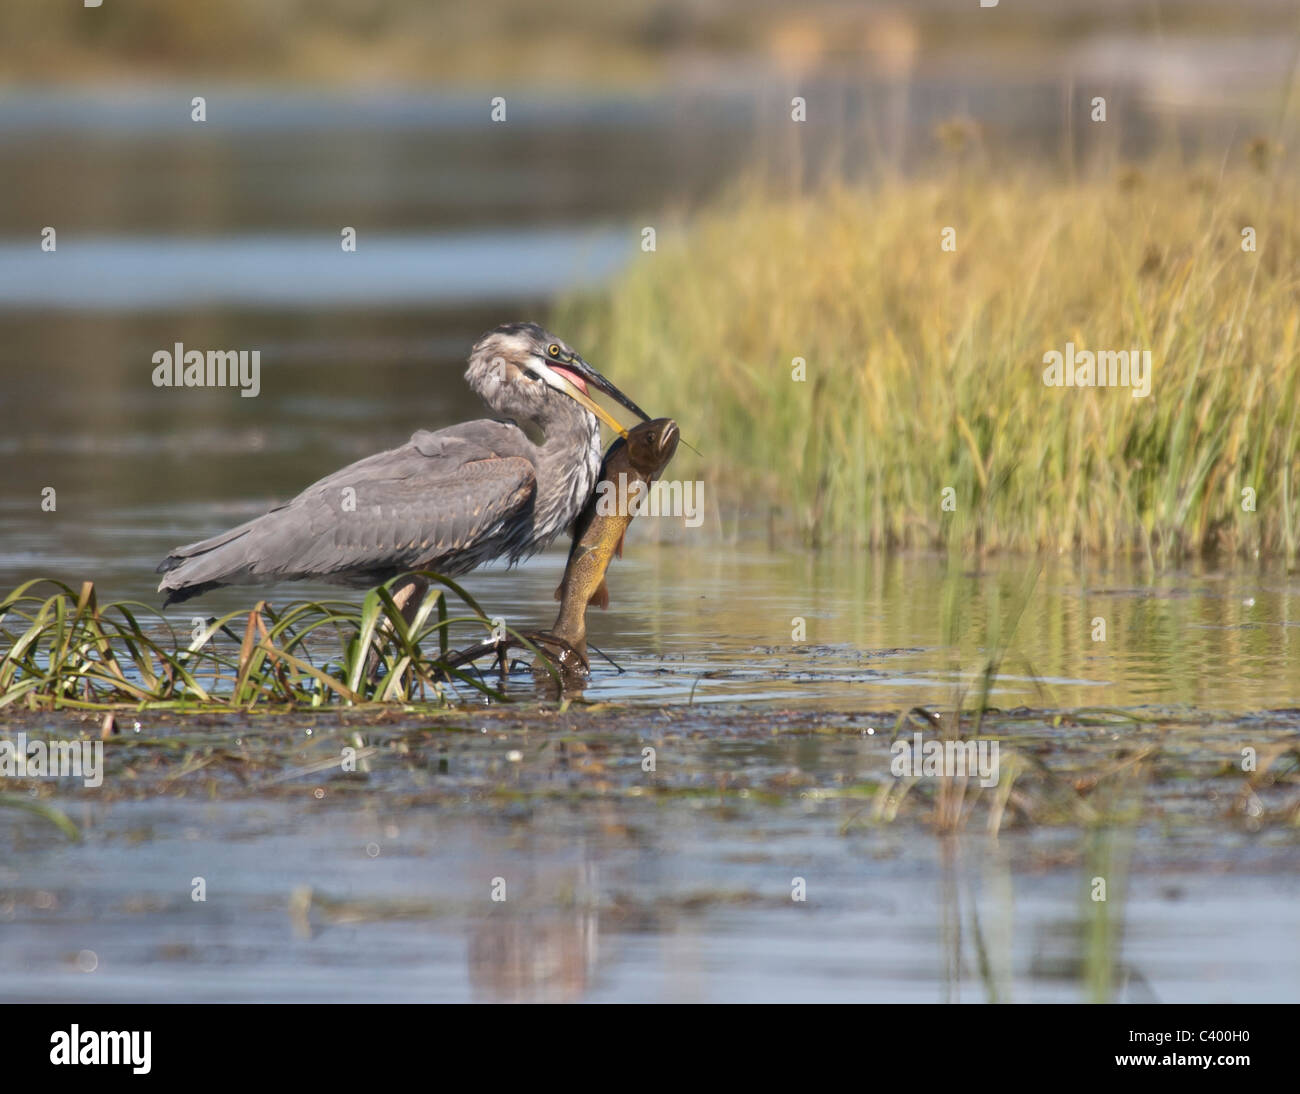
614, 883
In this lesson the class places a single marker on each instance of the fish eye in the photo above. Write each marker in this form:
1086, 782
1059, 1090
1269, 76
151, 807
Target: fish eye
553, 350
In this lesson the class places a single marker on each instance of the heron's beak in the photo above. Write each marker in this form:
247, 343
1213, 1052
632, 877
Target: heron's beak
578, 367
575, 393
596, 380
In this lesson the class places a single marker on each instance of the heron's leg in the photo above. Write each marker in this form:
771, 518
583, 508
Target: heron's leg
408, 595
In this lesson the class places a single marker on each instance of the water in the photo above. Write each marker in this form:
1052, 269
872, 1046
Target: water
771, 748
268, 273
507, 856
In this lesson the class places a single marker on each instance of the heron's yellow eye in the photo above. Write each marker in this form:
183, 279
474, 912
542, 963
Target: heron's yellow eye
553, 350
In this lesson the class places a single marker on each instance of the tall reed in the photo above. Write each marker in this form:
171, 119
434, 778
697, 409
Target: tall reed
925, 367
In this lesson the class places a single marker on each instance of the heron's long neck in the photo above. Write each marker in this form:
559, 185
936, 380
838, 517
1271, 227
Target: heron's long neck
567, 466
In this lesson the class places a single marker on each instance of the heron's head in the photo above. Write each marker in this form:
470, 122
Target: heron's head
519, 369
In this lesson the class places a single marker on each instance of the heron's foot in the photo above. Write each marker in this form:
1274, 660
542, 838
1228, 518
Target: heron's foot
559, 665
499, 648
562, 654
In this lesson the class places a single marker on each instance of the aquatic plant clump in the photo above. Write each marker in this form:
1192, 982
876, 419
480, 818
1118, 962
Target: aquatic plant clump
988, 363
60, 648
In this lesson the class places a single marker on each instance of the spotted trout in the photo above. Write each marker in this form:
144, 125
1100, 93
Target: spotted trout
630, 466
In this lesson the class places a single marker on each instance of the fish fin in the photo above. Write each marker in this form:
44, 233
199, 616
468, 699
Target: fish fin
618, 550
601, 596
559, 591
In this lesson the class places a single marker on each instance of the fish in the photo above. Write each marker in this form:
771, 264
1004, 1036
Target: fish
640, 458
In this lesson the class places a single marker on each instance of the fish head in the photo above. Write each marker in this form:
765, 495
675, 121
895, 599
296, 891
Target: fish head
651, 445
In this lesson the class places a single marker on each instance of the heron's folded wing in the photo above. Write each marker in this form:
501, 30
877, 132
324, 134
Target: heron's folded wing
401, 509
392, 519
420, 506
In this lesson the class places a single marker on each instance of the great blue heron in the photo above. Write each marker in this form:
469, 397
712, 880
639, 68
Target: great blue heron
444, 501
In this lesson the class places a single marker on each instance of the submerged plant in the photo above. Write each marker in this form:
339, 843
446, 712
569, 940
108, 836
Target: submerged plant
61, 648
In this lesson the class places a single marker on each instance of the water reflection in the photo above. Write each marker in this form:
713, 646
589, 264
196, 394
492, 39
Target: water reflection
706, 623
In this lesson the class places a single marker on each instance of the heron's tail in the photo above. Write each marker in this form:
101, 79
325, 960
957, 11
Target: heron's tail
199, 567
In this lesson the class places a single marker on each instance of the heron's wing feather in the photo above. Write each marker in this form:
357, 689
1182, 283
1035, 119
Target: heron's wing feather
407, 508
446, 448
411, 521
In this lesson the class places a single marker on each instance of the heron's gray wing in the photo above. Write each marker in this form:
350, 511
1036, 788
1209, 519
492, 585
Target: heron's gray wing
442, 494
381, 524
